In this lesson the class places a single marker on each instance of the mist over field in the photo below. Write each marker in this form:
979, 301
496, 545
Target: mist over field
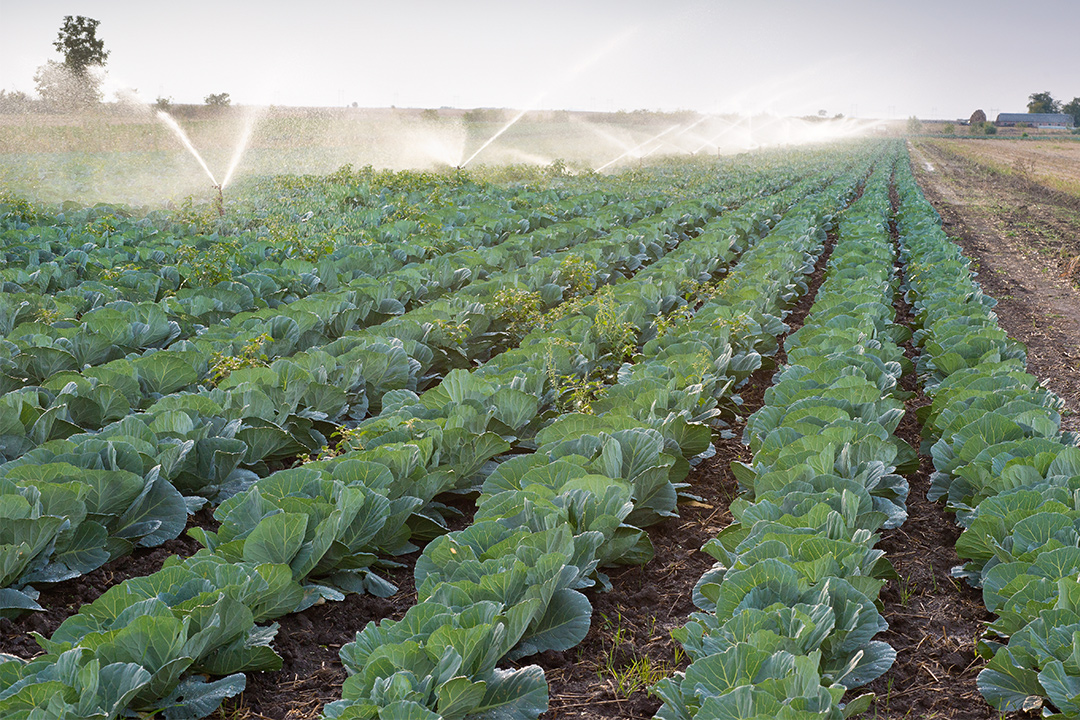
539, 361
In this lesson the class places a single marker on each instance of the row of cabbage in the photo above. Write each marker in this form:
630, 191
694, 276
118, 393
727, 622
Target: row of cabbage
101, 493
330, 517
1004, 467
63, 265
509, 586
105, 392
356, 284
118, 253
135, 480
202, 574
789, 609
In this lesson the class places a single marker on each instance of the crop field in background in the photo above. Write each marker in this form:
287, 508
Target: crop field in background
701, 437
1054, 163
129, 156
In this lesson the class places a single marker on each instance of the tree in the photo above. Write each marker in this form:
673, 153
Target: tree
78, 42
977, 118
1073, 108
1043, 102
14, 101
218, 100
71, 85
914, 126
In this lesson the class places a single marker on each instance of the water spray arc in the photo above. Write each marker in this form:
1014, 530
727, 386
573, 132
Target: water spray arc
637, 147
234, 162
179, 131
501, 130
571, 74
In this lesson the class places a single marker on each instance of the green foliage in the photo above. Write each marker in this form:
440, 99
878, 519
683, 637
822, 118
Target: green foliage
578, 275
1073, 108
1043, 102
208, 263
78, 42
16, 208
363, 312
218, 100
519, 308
252, 354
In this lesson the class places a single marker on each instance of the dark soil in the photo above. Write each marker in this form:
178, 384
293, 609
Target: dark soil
308, 643
64, 599
629, 640
1022, 237
933, 619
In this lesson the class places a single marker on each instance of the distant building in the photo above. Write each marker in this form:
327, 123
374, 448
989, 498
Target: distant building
1039, 120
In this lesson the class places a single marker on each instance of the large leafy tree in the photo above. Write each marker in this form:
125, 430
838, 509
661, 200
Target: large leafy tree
71, 84
1043, 102
78, 42
1073, 108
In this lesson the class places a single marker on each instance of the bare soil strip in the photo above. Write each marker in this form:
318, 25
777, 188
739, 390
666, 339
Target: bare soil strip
630, 640
1008, 226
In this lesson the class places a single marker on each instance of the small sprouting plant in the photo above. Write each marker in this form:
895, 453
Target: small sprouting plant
104, 226
577, 394
640, 672
347, 439
519, 309
618, 334
112, 273
203, 216
578, 274
207, 266
250, 355
47, 315
907, 588
21, 209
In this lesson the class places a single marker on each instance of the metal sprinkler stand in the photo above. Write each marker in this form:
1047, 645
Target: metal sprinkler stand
219, 203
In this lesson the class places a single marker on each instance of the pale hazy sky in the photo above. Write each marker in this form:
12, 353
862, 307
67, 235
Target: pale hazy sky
868, 58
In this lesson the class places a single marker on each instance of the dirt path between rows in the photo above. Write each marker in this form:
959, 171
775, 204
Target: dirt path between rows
996, 220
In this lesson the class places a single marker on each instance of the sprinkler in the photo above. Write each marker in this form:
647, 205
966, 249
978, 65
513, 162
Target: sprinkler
219, 202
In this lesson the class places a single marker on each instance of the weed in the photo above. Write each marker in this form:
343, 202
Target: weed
907, 588
208, 265
519, 309
577, 394
640, 672
46, 315
578, 274
250, 355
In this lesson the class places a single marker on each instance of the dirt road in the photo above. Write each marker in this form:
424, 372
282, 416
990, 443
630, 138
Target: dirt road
1024, 238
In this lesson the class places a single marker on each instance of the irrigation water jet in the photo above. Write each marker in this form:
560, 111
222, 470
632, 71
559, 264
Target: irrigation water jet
234, 162
637, 147
241, 146
179, 131
571, 74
